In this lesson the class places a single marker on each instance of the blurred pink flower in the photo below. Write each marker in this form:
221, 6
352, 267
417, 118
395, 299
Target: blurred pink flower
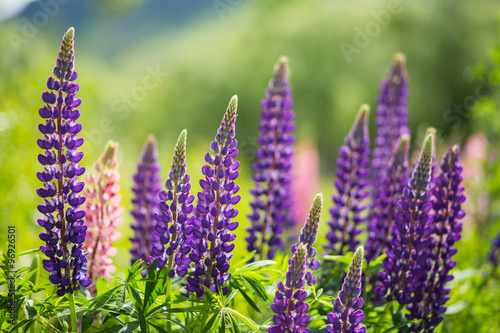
305, 180
103, 215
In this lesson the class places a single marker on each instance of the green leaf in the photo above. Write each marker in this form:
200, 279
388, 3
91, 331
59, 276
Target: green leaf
247, 321
138, 307
28, 252
120, 298
256, 286
245, 259
150, 285
211, 322
397, 326
231, 296
30, 311
127, 328
250, 301
95, 307
234, 324
222, 325
342, 259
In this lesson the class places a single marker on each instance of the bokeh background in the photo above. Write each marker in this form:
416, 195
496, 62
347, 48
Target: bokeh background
159, 66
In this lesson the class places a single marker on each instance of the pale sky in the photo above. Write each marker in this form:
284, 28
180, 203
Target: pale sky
10, 8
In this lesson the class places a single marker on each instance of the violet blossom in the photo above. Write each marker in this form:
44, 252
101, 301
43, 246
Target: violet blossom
145, 201
272, 192
308, 236
407, 261
171, 245
63, 220
351, 184
289, 306
213, 225
347, 315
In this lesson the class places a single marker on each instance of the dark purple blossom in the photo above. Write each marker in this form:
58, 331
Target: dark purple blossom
272, 196
213, 224
494, 251
391, 118
347, 316
385, 204
351, 184
308, 236
446, 230
171, 245
289, 306
145, 201
63, 220
407, 261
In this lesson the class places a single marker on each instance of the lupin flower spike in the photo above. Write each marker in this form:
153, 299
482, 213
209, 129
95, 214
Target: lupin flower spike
391, 117
347, 315
171, 245
384, 208
145, 201
272, 192
446, 230
214, 213
63, 220
308, 237
407, 261
352, 173
103, 214
289, 306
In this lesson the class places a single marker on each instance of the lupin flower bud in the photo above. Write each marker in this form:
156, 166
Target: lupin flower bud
446, 230
171, 245
391, 117
272, 192
407, 261
289, 306
347, 315
352, 173
103, 214
385, 204
63, 220
308, 236
145, 201
214, 213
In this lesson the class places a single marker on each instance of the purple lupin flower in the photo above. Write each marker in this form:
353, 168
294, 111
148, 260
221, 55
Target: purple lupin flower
407, 261
446, 230
145, 201
289, 306
308, 236
171, 245
352, 173
347, 315
391, 118
214, 213
384, 209
272, 196
63, 220
494, 251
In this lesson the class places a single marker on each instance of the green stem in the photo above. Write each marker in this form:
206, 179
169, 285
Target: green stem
387, 308
74, 323
169, 303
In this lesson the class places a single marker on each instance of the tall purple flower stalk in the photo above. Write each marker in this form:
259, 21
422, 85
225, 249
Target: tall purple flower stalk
272, 192
391, 118
145, 201
347, 315
407, 261
289, 306
446, 230
352, 181
63, 220
308, 236
214, 213
385, 205
171, 245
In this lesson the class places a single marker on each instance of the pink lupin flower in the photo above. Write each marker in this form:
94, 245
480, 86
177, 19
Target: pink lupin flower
103, 214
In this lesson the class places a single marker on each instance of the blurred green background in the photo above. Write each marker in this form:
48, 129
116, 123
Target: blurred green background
151, 66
